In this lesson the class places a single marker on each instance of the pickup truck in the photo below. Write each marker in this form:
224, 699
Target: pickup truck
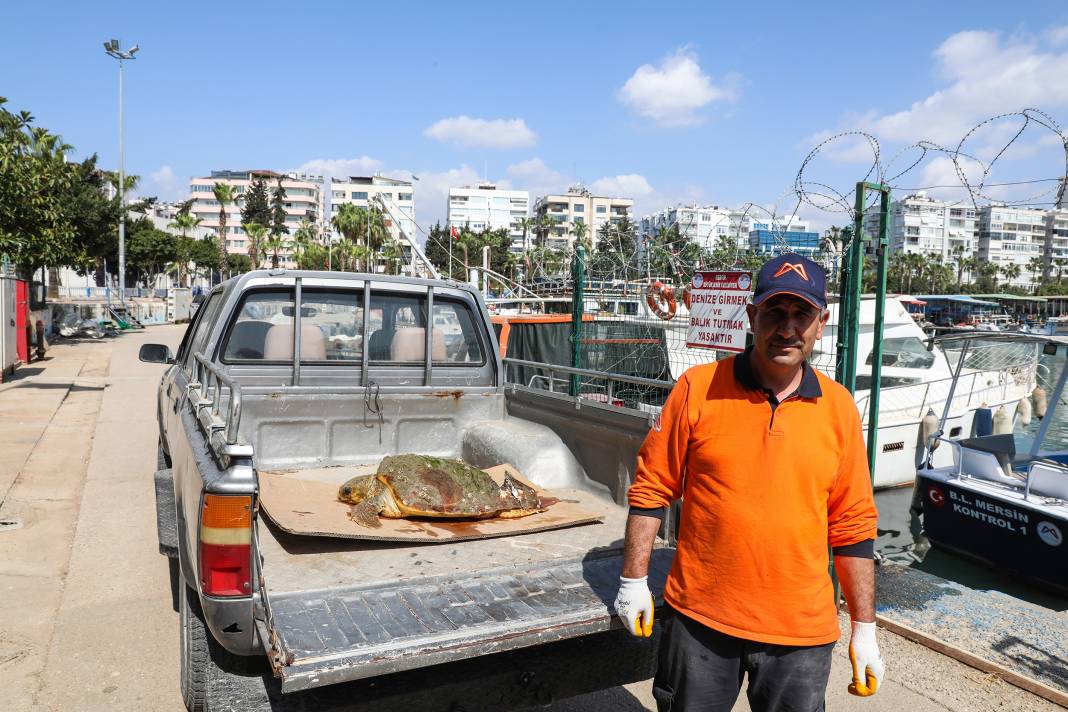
274, 375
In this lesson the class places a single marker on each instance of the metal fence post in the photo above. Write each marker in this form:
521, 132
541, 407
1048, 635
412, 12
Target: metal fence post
578, 307
880, 314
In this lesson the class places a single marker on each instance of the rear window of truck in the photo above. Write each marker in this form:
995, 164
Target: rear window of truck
331, 329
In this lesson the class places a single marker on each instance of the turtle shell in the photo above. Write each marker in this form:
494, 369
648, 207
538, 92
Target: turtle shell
435, 487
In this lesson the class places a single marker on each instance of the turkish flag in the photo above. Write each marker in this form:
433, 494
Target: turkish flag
454, 233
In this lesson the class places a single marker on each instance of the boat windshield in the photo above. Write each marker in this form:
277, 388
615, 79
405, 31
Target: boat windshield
904, 352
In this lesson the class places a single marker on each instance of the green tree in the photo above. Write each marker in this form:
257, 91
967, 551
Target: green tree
1011, 272
1035, 266
148, 251
183, 223
274, 244
546, 226
278, 210
92, 220
204, 253
580, 230
527, 225
225, 195
238, 264
34, 176
255, 234
256, 206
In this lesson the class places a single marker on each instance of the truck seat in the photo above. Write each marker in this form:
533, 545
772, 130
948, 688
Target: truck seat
247, 339
409, 344
379, 345
1047, 481
278, 346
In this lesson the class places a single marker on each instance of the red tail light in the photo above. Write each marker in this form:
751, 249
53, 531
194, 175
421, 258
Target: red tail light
226, 545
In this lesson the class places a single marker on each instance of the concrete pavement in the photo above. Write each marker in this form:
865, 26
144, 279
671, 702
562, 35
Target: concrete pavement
86, 621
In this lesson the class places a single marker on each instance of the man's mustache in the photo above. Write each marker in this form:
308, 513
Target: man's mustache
788, 344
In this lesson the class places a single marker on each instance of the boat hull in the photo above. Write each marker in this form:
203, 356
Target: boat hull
1008, 535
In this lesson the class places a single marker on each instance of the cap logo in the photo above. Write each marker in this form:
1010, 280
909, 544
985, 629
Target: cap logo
799, 268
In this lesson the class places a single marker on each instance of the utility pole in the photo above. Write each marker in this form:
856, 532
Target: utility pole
112, 48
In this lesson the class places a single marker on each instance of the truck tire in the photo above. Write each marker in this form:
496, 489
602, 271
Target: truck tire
195, 655
163, 460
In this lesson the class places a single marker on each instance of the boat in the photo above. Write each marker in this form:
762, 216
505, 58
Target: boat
1055, 326
914, 379
991, 502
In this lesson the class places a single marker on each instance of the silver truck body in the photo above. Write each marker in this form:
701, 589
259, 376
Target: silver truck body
328, 611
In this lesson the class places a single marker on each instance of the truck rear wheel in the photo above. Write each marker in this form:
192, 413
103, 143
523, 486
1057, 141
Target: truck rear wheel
195, 656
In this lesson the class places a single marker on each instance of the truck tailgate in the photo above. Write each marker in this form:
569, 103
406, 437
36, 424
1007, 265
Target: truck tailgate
340, 610
360, 632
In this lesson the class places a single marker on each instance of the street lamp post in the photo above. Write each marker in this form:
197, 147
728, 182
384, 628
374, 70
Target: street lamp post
112, 48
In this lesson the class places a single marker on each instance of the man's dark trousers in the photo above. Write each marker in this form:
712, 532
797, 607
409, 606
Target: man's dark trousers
702, 669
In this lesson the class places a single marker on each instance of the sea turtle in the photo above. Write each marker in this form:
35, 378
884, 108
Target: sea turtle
422, 486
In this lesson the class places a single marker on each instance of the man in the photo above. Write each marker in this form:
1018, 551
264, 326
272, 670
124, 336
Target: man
768, 455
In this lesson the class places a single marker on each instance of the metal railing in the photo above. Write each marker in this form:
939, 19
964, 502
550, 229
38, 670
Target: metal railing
608, 392
207, 383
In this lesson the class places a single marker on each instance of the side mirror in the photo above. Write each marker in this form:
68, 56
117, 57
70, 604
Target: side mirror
155, 353
1049, 348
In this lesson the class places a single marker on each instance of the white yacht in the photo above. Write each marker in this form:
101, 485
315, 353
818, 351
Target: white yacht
915, 379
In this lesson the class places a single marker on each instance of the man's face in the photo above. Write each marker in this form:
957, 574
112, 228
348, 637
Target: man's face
785, 329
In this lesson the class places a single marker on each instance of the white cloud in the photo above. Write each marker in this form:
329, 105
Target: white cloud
163, 184
340, 167
1057, 35
987, 75
482, 133
672, 93
630, 185
535, 176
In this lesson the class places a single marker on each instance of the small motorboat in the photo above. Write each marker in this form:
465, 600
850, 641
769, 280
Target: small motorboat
998, 505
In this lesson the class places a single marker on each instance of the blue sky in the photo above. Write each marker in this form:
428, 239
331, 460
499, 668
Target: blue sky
666, 102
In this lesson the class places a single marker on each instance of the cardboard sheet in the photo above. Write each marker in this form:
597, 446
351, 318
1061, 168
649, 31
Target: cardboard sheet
305, 502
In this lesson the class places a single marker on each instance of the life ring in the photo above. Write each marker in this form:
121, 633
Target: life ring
656, 296
686, 296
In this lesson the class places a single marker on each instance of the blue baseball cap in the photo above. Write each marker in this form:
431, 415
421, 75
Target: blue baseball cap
792, 274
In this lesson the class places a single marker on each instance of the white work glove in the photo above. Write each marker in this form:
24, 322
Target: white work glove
868, 667
634, 606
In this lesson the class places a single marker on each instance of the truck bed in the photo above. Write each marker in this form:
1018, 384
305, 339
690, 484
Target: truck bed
344, 610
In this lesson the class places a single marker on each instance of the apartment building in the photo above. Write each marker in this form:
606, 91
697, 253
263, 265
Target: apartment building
1055, 252
486, 207
1013, 235
360, 190
304, 200
579, 206
923, 225
705, 225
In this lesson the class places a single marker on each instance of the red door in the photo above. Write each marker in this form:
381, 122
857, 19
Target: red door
22, 320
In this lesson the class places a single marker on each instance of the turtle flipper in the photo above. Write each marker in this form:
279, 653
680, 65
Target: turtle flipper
366, 513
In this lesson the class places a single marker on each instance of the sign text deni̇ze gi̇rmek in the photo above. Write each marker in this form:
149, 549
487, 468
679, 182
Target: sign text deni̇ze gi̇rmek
717, 310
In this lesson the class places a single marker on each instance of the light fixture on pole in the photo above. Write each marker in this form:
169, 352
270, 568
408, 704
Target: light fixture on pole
112, 48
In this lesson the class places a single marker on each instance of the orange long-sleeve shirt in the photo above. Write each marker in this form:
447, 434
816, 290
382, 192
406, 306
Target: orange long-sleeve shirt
766, 490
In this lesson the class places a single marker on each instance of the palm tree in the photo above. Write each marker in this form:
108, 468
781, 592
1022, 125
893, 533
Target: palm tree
255, 233
225, 194
183, 223
580, 230
1034, 266
526, 225
958, 258
1061, 263
272, 244
1011, 272
546, 224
